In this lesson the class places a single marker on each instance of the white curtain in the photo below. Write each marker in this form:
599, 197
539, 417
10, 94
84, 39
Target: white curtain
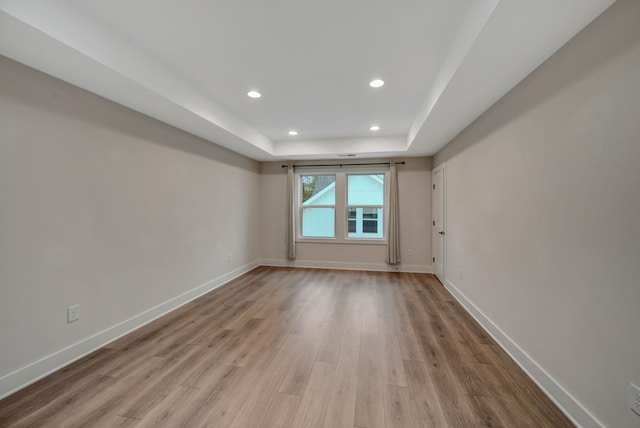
393, 240
291, 215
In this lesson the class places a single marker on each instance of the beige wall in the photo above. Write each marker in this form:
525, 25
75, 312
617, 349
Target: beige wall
414, 188
543, 215
104, 207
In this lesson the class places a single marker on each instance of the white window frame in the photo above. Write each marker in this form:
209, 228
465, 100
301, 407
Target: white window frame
341, 207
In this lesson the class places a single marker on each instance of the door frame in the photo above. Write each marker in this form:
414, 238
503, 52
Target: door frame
441, 167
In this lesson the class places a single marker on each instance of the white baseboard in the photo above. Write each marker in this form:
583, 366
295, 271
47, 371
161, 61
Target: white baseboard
378, 267
580, 416
33, 372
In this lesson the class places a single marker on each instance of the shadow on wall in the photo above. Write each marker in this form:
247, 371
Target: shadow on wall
30, 89
598, 46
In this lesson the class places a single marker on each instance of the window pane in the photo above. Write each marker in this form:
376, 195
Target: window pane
369, 226
370, 213
352, 219
318, 189
318, 222
365, 189
366, 224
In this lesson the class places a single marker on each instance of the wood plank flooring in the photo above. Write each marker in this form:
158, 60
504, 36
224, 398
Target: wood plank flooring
283, 347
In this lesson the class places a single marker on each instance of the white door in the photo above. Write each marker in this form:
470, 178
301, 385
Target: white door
437, 228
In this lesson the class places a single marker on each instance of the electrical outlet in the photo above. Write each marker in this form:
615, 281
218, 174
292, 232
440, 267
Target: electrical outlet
73, 313
229, 258
410, 252
461, 273
634, 398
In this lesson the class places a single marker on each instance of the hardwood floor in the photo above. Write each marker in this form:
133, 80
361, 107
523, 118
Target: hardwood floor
285, 347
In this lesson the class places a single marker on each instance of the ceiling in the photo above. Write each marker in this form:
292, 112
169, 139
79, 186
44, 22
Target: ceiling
191, 64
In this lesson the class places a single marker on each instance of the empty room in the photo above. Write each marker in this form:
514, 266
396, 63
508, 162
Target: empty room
330, 214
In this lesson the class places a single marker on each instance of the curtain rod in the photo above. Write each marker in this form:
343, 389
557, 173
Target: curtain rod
345, 164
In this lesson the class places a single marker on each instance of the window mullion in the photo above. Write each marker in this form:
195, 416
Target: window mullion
341, 206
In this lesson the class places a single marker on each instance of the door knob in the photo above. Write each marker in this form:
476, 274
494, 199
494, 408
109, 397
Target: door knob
441, 232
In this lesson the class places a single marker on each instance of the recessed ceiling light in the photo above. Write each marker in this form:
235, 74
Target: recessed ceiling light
376, 83
375, 128
254, 94
293, 132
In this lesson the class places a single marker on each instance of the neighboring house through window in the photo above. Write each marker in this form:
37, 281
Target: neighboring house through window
365, 205
318, 205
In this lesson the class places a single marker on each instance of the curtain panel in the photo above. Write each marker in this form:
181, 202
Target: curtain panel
291, 214
393, 237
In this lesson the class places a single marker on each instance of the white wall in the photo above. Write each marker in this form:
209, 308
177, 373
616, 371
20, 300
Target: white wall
414, 188
104, 207
543, 215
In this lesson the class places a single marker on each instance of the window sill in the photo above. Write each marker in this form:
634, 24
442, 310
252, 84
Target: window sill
341, 241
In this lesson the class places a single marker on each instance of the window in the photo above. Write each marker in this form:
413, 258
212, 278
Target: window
342, 207
365, 206
318, 206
